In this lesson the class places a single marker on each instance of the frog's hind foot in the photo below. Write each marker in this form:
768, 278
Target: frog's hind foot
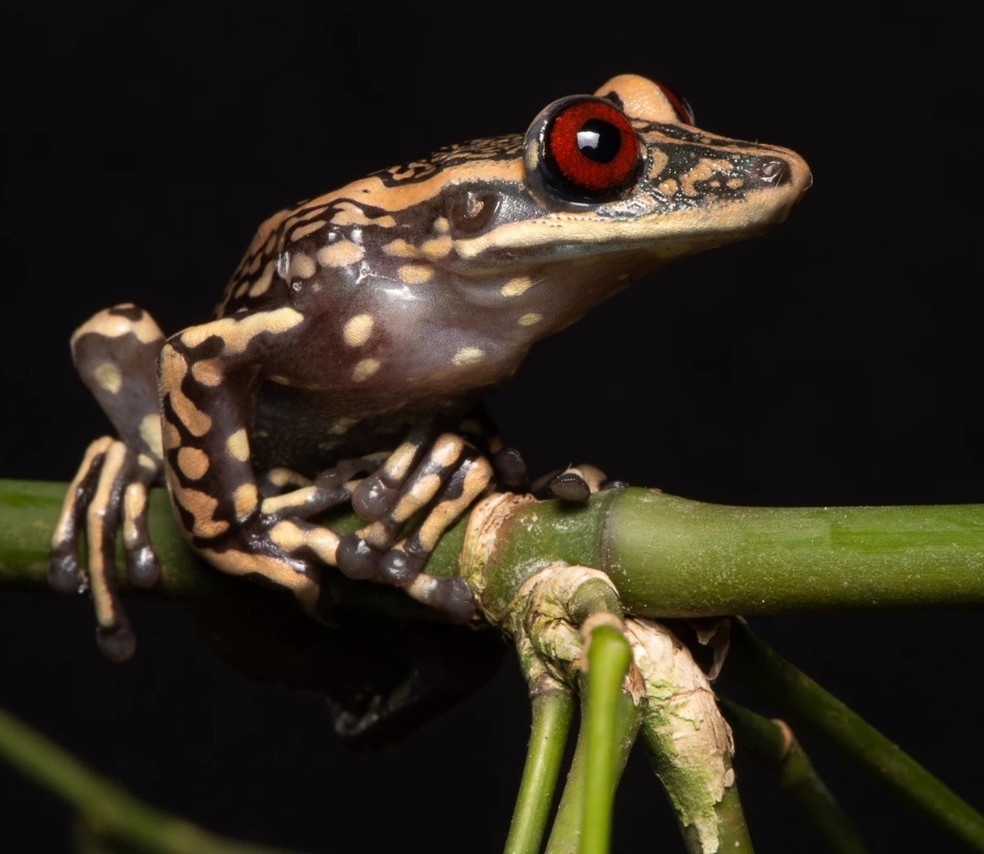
411, 500
115, 353
108, 493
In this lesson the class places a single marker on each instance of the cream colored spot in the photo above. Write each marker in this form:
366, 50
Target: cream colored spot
113, 325
357, 330
340, 254
468, 356
262, 284
398, 463
703, 171
310, 228
150, 432
245, 499
476, 479
517, 286
281, 477
441, 225
134, 506
109, 377
438, 247
349, 214
170, 436
341, 426
401, 249
734, 183
295, 500
414, 274
365, 369
238, 333
421, 493
202, 506
668, 187
173, 371
193, 462
237, 446
147, 462
301, 266
321, 541
208, 372
447, 449
531, 318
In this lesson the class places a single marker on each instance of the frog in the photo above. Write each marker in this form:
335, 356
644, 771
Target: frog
346, 362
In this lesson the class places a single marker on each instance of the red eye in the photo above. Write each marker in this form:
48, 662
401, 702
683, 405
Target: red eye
684, 111
590, 149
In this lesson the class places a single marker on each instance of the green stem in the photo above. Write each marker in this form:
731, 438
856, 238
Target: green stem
669, 557
757, 666
552, 714
609, 655
106, 810
774, 745
583, 800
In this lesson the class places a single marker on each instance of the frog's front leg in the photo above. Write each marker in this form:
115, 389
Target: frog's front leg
433, 480
115, 353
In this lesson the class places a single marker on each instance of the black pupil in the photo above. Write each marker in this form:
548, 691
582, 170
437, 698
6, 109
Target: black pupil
599, 140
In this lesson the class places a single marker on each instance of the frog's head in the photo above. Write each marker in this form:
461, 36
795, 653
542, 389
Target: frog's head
504, 241
466, 258
619, 183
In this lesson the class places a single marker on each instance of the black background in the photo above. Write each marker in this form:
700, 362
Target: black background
835, 361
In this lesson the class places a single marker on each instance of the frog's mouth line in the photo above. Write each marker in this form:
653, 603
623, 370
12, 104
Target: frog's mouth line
659, 234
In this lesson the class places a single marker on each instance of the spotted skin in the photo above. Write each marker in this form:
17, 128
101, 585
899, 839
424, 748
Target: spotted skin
347, 356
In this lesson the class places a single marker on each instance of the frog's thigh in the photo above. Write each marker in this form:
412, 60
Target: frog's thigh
115, 353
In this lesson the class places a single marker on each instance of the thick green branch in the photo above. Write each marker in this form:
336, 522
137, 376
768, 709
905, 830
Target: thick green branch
668, 556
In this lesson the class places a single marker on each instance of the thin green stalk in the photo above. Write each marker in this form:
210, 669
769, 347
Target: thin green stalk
754, 664
552, 714
107, 810
609, 655
774, 745
581, 795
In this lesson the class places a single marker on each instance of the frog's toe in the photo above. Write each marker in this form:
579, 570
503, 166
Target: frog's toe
399, 568
356, 558
118, 643
453, 597
575, 484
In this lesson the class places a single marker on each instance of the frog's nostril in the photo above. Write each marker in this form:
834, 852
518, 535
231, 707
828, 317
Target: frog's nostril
774, 172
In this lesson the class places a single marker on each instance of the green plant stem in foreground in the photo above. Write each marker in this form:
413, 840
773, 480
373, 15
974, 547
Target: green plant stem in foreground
669, 557
620, 729
552, 714
108, 812
609, 656
752, 663
774, 745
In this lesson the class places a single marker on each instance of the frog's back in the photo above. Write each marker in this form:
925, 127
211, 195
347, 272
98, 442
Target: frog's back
332, 233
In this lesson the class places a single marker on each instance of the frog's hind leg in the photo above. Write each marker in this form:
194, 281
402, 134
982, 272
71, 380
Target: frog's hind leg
115, 353
433, 482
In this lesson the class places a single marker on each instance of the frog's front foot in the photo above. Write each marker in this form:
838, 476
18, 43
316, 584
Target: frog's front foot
108, 493
435, 485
